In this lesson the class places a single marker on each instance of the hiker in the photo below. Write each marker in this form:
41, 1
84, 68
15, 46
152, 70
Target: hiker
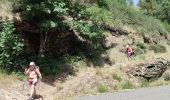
128, 51
33, 73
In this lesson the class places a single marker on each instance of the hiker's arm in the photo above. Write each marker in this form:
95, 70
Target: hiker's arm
38, 72
27, 71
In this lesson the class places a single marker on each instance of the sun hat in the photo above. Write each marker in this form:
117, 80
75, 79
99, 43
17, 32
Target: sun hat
32, 63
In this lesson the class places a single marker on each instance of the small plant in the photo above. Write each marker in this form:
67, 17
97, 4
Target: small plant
116, 87
98, 72
166, 76
144, 83
116, 77
138, 51
141, 45
127, 85
158, 48
168, 42
19, 75
102, 88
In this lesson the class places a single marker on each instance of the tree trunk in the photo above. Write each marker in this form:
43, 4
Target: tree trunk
43, 40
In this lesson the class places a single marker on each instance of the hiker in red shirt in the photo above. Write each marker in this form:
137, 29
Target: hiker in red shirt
128, 51
33, 74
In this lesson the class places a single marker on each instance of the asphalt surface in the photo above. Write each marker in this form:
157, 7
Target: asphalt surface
155, 93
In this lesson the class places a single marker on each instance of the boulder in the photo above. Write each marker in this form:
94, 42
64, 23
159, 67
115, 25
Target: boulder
153, 38
150, 70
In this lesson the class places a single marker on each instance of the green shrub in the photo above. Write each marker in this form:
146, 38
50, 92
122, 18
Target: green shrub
138, 51
109, 60
127, 85
158, 48
144, 83
102, 88
10, 47
168, 42
141, 45
20, 76
166, 26
99, 72
166, 76
116, 77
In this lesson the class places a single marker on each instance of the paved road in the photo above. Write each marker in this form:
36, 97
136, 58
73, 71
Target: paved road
157, 93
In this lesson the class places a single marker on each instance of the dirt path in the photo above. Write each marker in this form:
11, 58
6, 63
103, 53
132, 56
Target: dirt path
20, 91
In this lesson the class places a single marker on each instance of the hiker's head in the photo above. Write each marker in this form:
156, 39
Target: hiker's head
127, 46
32, 65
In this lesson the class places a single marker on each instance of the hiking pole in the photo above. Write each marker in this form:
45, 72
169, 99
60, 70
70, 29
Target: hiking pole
23, 87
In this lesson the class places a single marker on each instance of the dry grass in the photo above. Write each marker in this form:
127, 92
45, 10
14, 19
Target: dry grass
6, 8
90, 80
7, 80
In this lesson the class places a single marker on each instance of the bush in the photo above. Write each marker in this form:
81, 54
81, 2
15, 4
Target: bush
166, 76
127, 85
168, 42
144, 83
99, 72
138, 51
166, 26
158, 48
102, 88
10, 47
116, 77
141, 45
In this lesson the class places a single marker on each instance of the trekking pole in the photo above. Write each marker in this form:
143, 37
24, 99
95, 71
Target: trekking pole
23, 86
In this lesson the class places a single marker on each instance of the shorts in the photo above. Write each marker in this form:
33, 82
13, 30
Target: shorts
32, 82
129, 54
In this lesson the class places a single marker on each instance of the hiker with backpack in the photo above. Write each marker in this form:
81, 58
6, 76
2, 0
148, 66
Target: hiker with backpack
129, 51
33, 73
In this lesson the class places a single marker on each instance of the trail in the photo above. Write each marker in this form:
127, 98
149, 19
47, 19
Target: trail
20, 91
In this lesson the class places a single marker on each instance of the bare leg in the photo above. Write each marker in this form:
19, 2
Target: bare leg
32, 91
34, 94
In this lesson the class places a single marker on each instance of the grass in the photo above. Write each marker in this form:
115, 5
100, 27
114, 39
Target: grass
127, 85
116, 77
6, 5
102, 88
144, 83
7, 80
99, 72
158, 48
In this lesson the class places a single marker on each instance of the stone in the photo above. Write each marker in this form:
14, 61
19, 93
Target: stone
150, 70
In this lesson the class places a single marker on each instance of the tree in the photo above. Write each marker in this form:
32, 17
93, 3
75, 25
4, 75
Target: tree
146, 4
50, 17
157, 8
10, 46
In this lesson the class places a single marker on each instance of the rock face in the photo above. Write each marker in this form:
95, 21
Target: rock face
149, 71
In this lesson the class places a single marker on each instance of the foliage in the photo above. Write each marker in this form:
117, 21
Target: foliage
157, 48
52, 10
116, 77
166, 26
158, 8
144, 83
102, 88
140, 49
127, 85
10, 46
141, 45
99, 72
166, 76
